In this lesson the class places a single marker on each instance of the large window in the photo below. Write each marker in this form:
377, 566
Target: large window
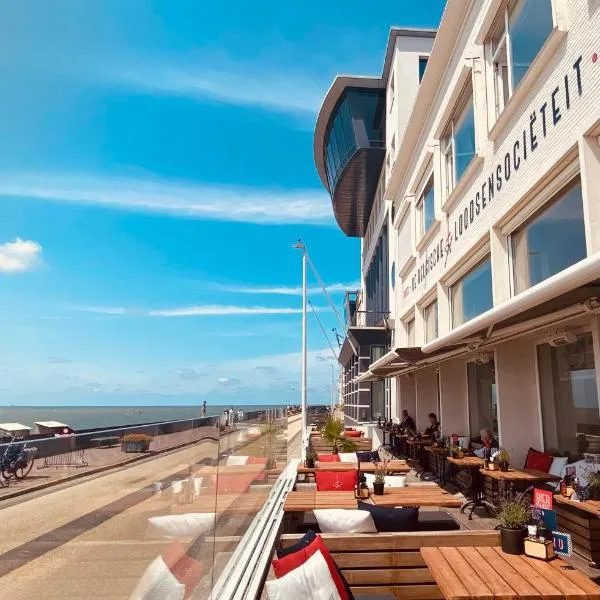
472, 295
570, 411
377, 387
410, 333
426, 208
430, 315
483, 406
458, 140
521, 28
551, 241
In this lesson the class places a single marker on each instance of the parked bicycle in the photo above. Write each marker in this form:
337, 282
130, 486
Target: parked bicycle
17, 460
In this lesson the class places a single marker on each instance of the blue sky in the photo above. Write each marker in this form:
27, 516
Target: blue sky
155, 168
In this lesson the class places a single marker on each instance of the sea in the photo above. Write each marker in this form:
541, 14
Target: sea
89, 417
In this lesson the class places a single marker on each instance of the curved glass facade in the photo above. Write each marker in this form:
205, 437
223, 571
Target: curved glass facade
357, 122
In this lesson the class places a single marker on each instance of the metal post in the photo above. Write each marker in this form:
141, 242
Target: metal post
304, 358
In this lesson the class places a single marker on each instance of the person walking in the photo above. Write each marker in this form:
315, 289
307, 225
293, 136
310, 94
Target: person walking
204, 408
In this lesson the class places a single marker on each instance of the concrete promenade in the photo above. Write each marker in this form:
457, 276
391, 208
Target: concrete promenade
89, 538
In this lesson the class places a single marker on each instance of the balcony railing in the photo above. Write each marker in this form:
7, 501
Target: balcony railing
368, 318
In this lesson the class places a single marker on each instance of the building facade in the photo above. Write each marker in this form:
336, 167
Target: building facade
494, 238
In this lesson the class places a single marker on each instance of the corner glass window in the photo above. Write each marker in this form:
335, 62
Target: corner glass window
520, 31
551, 241
458, 142
422, 66
483, 405
430, 315
426, 208
569, 396
472, 295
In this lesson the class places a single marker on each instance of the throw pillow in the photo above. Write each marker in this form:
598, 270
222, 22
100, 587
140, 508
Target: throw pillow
353, 434
283, 566
367, 456
328, 458
340, 520
348, 457
336, 481
558, 468
180, 527
186, 569
311, 581
539, 461
392, 519
158, 583
304, 541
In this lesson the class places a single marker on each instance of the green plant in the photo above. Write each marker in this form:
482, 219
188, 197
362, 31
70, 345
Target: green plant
333, 432
514, 513
380, 471
503, 456
136, 437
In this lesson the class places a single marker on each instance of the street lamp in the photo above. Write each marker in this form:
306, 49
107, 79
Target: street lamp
300, 246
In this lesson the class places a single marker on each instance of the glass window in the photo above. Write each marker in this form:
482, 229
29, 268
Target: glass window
472, 295
410, 333
422, 66
426, 208
483, 405
431, 321
570, 412
521, 30
377, 387
458, 143
551, 241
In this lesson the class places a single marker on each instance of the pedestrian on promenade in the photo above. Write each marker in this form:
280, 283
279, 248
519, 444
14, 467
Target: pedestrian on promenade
204, 408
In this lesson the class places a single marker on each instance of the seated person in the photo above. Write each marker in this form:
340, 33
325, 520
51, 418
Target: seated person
407, 422
434, 427
490, 444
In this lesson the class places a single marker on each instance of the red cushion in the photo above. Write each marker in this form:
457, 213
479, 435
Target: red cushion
185, 569
292, 561
353, 433
328, 458
336, 481
538, 460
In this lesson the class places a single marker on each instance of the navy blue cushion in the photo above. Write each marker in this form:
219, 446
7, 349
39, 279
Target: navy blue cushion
367, 456
304, 541
392, 519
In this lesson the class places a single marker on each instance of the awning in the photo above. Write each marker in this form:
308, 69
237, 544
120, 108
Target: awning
371, 336
559, 291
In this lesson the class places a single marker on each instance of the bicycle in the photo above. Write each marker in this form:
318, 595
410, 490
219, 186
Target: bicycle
17, 460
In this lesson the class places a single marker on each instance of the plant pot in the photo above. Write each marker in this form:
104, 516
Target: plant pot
378, 488
503, 466
309, 463
511, 540
135, 446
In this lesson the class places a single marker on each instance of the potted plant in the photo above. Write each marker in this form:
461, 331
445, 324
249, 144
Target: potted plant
455, 452
513, 514
503, 459
135, 442
333, 432
379, 479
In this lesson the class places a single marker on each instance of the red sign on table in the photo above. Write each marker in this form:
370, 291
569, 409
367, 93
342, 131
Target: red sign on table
542, 499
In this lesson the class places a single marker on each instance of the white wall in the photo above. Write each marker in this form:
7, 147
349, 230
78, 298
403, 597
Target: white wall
454, 395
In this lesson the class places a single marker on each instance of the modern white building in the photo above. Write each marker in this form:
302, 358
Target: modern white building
490, 197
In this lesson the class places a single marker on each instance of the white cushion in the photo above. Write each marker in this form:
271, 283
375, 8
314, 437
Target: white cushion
189, 525
236, 461
348, 457
340, 520
310, 581
390, 480
158, 583
254, 431
558, 468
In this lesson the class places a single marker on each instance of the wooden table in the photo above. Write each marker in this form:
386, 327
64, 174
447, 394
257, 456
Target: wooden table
582, 521
415, 495
506, 480
473, 464
393, 466
307, 501
486, 573
415, 445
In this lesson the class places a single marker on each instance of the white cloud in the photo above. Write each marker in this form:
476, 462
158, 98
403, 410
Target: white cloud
19, 256
179, 199
247, 84
281, 290
208, 310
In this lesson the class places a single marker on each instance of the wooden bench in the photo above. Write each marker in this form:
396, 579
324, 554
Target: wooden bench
391, 563
320, 446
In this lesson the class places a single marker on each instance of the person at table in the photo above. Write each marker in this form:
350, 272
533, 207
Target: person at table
434, 427
408, 423
489, 444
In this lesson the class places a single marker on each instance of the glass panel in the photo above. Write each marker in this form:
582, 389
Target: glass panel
422, 66
447, 149
367, 107
377, 387
472, 295
346, 123
338, 132
431, 322
464, 138
530, 24
428, 205
501, 80
410, 333
551, 241
570, 414
483, 406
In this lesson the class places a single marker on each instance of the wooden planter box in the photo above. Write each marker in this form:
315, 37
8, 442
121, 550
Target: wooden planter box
584, 528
